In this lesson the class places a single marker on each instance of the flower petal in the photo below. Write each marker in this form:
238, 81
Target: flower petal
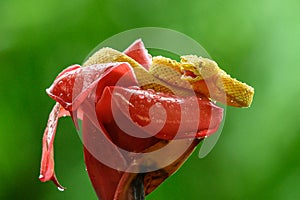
161, 115
71, 87
97, 146
47, 162
75, 84
139, 53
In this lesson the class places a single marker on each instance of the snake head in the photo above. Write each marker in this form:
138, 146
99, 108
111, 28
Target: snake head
205, 77
221, 86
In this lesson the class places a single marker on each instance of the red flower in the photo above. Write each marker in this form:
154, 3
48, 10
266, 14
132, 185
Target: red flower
132, 136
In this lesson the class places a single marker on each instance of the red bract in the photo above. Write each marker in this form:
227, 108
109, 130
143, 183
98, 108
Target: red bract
124, 127
138, 52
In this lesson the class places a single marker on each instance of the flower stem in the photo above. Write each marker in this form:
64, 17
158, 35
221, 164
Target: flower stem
138, 187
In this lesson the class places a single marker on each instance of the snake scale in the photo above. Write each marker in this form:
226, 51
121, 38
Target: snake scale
202, 75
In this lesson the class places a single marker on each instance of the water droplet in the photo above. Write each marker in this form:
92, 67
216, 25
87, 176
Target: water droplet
134, 162
41, 176
151, 90
158, 105
141, 96
134, 87
97, 74
157, 96
61, 189
60, 82
171, 106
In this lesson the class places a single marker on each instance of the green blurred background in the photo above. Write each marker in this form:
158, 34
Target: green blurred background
258, 154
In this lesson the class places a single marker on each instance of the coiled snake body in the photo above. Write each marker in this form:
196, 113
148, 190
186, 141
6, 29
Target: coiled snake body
192, 72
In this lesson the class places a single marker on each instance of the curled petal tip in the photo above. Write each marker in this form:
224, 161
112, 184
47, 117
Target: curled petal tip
59, 186
41, 177
61, 189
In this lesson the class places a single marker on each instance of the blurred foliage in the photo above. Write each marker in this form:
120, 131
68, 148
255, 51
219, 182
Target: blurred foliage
257, 156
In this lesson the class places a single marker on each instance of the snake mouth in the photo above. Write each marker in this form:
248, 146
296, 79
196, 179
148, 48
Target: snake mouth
190, 72
186, 74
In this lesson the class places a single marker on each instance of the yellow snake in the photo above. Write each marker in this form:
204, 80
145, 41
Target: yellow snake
202, 75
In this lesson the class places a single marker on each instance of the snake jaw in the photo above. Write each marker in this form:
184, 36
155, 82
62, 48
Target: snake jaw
204, 68
190, 72
220, 85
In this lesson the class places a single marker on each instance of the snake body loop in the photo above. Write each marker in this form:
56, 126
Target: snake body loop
201, 75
